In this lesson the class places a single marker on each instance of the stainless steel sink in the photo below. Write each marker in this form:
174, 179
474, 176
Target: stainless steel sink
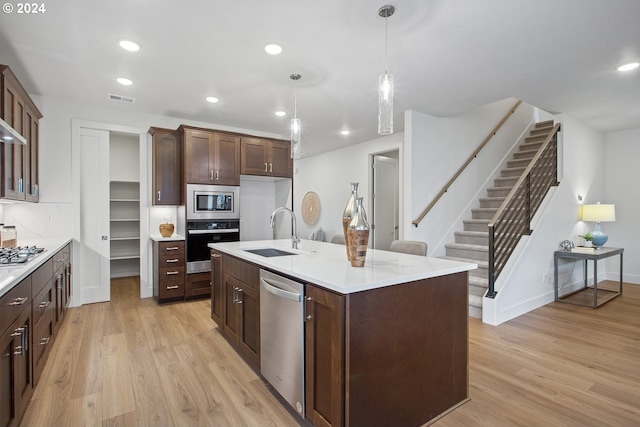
269, 252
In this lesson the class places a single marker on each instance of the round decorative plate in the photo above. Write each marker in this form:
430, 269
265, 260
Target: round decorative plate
310, 208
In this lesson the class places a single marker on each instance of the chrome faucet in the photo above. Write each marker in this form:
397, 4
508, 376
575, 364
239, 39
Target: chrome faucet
294, 236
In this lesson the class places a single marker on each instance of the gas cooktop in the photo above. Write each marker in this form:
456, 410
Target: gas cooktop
18, 255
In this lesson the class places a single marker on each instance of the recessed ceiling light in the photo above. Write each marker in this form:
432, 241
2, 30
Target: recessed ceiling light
628, 67
280, 113
213, 99
129, 45
273, 49
124, 81
345, 132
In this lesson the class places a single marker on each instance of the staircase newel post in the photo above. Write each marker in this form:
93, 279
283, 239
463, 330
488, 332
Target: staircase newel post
491, 293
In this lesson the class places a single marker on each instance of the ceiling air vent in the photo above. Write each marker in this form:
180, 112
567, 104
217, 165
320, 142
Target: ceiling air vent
121, 98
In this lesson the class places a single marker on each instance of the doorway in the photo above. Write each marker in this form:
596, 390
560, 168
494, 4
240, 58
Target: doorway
385, 198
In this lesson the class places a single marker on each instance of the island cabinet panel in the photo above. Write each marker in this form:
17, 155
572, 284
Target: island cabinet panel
197, 285
211, 157
216, 287
167, 167
324, 357
241, 310
407, 352
266, 157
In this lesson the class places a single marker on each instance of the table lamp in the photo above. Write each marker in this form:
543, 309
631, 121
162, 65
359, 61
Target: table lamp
598, 213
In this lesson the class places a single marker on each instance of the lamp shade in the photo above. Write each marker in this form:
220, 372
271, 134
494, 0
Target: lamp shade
599, 213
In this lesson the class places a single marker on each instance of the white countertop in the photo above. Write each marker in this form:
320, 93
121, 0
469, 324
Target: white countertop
173, 238
326, 264
11, 276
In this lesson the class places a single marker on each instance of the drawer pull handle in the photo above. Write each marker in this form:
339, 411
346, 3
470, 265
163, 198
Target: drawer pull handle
171, 273
18, 301
44, 304
17, 332
169, 261
44, 341
172, 248
216, 255
172, 287
19, 351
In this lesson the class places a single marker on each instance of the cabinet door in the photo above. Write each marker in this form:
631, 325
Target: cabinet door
13, 153
167, 169
249, 336
216, 287
324, 359
197, 285
59, 288
198, 149
231, 319
31, 172
280, 161
227, 160
254, 156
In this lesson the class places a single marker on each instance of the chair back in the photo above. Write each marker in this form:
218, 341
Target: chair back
413, 247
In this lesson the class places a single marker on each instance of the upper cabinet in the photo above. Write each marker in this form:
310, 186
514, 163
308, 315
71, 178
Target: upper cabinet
20, 180
266, 157
167, 167
211, 157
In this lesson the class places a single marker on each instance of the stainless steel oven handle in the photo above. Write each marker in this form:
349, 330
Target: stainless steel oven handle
272, 287
222, 231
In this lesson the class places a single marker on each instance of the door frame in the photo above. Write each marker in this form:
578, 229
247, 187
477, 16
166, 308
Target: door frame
397, 154
146, 289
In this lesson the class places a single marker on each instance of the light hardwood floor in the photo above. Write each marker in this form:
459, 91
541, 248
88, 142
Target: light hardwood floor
133, 363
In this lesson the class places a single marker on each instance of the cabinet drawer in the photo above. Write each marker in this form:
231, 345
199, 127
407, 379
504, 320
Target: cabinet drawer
42, 342
13, 302
242, 270
41, 277
171, 289
171, 249
44, 301
171, 261
171, 274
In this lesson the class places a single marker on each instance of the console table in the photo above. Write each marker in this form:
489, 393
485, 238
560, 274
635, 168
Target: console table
588, 296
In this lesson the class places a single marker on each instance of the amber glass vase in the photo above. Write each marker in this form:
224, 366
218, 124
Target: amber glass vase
358, 232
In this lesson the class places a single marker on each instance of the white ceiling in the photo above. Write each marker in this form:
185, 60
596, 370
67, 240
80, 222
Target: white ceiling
446, 56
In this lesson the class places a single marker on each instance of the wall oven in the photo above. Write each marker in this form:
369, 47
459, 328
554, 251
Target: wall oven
200, 233
212, 202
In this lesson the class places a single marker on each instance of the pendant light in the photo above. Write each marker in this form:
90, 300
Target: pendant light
295, 121
385, 83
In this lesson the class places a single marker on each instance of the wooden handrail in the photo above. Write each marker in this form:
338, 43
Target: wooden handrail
464, 166
524, 175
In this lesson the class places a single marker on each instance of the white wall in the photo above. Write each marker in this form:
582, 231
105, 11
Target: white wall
329, 175
621, 177
439, 146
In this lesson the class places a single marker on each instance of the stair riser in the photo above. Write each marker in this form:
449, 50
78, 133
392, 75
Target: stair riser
506, 182
480, 272
478, 214
524, 155
521, 163
541, 131
468, 253
491, 203
472, 226
472, 240
498, 191
511, 172
528, 146
475, 311
536, 138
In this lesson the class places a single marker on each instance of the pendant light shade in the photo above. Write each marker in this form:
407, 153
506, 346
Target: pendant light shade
296, 125
385, 83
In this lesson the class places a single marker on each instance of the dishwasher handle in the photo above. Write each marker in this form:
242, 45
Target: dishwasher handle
271, 287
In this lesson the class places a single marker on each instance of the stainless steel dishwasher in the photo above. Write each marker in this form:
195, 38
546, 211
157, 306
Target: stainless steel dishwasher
282, 336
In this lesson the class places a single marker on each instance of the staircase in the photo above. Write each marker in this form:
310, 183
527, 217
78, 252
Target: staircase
471, 245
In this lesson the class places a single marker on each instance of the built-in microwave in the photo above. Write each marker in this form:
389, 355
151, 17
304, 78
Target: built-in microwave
213, 202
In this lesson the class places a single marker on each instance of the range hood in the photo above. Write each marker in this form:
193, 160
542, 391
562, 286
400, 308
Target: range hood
9, 135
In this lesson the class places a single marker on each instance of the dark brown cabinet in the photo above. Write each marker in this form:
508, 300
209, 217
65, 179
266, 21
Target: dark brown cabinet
197, 285
241, 312
216, 287
324, 357
16, 377
266, 157
167, 167
20, 170
211, 157
168, 271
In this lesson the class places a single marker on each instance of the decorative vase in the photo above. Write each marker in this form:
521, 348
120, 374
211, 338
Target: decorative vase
358, 232
349, 212
166, 229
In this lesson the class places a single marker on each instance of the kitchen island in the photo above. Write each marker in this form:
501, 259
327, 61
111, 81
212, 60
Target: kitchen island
385, 344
